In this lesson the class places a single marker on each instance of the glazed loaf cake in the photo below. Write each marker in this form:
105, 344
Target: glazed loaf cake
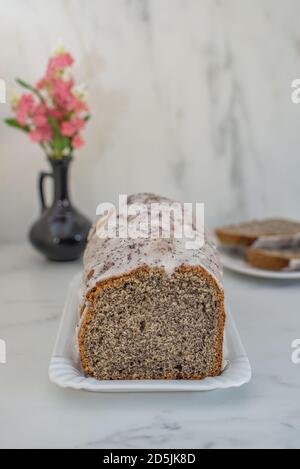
151, 309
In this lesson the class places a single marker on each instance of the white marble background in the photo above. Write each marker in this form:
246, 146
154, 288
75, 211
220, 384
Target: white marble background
190, 98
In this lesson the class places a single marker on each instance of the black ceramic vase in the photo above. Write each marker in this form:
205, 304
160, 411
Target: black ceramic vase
61, 232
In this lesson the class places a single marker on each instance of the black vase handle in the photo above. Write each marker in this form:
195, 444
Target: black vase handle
42, 178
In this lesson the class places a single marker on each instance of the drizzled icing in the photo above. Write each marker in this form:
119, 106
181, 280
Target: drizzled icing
113, 257
278, 242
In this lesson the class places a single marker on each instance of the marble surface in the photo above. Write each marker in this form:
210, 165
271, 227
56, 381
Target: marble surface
190, 99
36, 413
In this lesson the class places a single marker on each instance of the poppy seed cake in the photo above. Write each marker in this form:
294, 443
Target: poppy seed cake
275, 254
151, 309
246, 234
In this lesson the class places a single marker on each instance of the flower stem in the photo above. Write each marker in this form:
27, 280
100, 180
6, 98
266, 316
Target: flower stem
31, 88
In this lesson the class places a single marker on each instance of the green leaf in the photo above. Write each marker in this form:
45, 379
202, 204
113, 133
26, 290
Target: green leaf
59, 141
16, 125
30, 88
54, 125
23, 83
87, 117
56, 142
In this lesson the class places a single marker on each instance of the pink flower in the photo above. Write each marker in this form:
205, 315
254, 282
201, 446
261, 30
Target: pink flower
62, 88
57, 114
72, 127
77, 141
80, 106
40, 118
42, 83
67, 129
59, 103
62, 94
58, 63
41, 134
25, 108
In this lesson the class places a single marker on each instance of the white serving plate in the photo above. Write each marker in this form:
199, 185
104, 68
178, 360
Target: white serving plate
237, 263
65, 370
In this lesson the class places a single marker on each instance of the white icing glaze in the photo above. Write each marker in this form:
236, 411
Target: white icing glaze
277, 242
114, 257
294, 264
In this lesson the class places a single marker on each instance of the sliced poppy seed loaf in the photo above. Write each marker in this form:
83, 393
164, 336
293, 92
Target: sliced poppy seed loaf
275, 254
151, 309
245, 234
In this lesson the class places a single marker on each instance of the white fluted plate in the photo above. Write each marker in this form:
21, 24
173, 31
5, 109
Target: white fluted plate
65, 370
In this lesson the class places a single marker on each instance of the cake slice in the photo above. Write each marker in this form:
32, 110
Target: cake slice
286, 259
275, 254
246, 234
151, 308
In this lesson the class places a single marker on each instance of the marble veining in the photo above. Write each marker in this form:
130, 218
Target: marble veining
190, 99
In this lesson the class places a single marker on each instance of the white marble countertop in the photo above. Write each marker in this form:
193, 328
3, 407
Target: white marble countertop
36, 413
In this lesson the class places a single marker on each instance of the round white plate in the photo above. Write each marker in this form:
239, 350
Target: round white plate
238, 264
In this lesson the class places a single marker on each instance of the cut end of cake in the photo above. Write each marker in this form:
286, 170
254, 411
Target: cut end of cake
148, 325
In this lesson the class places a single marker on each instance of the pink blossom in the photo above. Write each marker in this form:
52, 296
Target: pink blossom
40, 118
58, 63
77, 141
41, 134
57, 114
25, 108
67, 129
62, 94
72, 127
80, 106
42, 83
59, 100
62, 88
